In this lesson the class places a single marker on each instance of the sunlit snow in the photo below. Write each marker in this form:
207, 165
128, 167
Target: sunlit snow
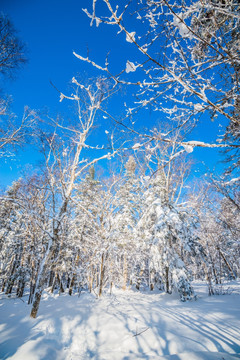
124, 325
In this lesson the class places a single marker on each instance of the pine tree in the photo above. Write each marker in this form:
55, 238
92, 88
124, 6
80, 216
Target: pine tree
125, 216
169, 235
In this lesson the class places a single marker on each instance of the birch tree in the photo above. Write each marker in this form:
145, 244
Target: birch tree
66, 164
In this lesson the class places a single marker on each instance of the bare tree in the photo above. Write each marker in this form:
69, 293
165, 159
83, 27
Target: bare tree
12, 57
188, 60
12, 48
14, 134
66, 165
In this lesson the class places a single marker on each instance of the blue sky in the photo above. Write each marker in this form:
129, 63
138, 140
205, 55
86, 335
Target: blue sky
52, 30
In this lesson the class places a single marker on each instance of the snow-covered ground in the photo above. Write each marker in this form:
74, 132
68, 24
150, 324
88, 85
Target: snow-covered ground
124, 325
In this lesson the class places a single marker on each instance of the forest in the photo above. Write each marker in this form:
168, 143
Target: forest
127, 211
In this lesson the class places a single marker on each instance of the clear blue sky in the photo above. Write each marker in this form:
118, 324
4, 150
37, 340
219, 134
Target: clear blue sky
52, 30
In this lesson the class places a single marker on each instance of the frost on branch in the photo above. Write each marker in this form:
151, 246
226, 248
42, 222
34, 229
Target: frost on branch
89, 61
130, 37
130, 67
92, 17
185, 50
61, 97
188, 148
179, 23
136, 146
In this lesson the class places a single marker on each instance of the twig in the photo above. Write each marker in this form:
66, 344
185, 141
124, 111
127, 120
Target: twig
141, 332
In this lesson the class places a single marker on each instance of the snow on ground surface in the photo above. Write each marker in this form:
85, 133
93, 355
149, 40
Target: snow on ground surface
126, 325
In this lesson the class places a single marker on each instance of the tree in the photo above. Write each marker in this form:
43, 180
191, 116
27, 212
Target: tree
12, 58
12, 49
10, 238
24, 232
64, 152
169, 232
216, 203
14, 134
187, 62
127, 208
84, 240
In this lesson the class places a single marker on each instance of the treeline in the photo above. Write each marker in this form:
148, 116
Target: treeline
138, 228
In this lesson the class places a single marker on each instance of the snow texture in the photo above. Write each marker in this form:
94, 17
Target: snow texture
130, 67
188, 148
130, 37
136, 146
125, 325
180, 24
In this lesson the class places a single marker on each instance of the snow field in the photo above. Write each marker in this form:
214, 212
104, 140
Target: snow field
126, 325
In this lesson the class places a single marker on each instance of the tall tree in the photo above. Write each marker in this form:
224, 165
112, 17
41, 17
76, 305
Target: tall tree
127, 208
13, 133
187, 62
65, 166
168, 231
12, 48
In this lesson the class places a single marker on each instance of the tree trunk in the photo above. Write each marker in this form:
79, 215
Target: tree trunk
32, 291
3, 285
210, 288
139, 279
72, 284
151, 278
11, 279
209, 280
34, 271
51, 278
36, 303
228, 265
20, 289
54, 280
213, 266
167, 280
61, 288
102, 270
90, 283
40, 280
10, 286
125, 272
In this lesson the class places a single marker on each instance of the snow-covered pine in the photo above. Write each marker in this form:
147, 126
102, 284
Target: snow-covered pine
170, 237
83, 239
127, 207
